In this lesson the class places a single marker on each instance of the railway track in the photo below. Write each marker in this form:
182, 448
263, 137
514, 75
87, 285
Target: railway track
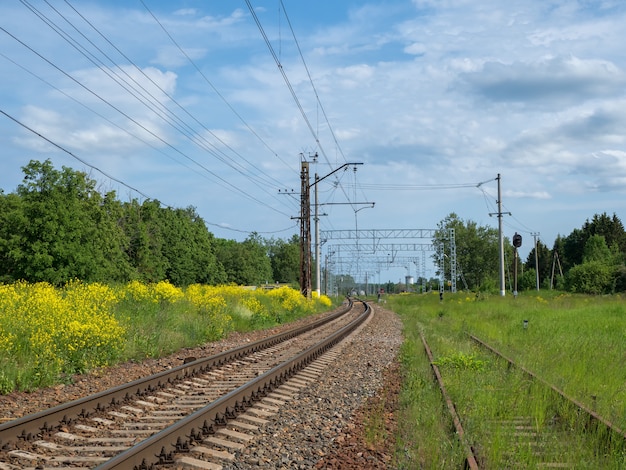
505, 416
192, 416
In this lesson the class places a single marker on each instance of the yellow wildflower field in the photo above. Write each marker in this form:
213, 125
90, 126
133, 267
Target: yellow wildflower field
48, 333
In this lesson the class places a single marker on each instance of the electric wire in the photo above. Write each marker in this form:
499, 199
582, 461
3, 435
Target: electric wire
134, 121
281, 69
289, 85
493, 210
117, 180
73, 155
220, 95
412, 187
138, 91
319, 102
102, 116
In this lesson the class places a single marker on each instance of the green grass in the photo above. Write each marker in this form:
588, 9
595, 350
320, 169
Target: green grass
574, 342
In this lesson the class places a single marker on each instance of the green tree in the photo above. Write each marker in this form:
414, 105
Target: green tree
245, 263
611, 228
544, 258
593, 277
528, 280
188, 249
12, 223
66, 230
556, 265
572, 249
285, 259
257, 268
208, 268
141, 223
596, 250
596, 274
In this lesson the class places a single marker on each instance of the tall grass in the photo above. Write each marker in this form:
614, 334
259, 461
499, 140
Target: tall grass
574, 342
425, 435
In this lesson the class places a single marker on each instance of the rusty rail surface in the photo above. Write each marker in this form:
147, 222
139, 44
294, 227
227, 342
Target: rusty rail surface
31, 426
592, 414
470, 458
154, 450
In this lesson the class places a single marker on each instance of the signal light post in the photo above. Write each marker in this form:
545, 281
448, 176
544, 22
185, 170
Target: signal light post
517, 242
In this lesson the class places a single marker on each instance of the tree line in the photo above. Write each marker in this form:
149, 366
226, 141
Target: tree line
591, 259
57, 226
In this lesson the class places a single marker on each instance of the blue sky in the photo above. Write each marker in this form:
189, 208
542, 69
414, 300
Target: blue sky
184, 101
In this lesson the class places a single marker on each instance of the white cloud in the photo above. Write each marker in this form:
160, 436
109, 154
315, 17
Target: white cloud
416, 48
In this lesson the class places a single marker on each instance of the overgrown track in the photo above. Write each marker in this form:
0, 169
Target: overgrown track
547, 430
150, 421
470, 459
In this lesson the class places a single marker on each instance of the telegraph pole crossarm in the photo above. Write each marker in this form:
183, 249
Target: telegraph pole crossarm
305, 227
333, 172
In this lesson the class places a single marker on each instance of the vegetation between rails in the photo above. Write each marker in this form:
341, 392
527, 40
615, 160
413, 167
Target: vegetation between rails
48, 333
574, 342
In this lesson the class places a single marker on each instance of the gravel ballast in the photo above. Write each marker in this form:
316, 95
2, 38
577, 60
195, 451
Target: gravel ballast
325, 425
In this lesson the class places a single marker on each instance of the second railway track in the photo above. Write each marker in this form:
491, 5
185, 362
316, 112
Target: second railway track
157, 420
506, 417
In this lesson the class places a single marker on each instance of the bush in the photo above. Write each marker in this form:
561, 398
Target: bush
593, 277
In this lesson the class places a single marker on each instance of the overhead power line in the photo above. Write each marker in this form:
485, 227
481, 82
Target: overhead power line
330, 128
413, 187
292, 91
60, 147
144, 97
113, 178
216, 91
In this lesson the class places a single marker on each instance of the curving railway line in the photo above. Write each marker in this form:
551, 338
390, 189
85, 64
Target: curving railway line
192, 416
573, 436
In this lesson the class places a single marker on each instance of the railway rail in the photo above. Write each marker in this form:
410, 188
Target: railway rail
201, 406
573, 436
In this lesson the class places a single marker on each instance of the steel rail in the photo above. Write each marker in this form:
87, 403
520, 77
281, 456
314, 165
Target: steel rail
470, 458
592, 414
202, 423
32, 426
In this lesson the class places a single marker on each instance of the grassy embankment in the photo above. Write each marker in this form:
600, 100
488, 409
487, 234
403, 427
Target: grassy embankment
47, 334
577, 343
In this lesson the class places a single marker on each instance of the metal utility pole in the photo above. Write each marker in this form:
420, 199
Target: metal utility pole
453, 265
501, 237
317, 232
305, 232
305, 228
318, 274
